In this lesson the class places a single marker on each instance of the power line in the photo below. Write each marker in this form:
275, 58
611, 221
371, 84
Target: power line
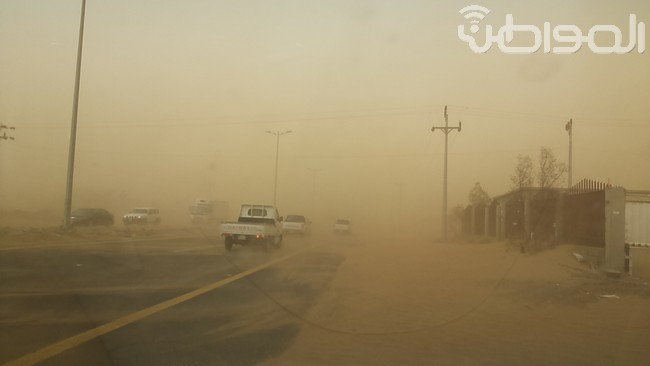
355, 332
349, 116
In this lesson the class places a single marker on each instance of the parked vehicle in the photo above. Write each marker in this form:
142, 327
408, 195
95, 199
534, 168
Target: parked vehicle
296, 224
90, 217
208, 210
342, 226
258, 225
142, 216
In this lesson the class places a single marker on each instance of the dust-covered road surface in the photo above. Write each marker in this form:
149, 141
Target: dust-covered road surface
320, 300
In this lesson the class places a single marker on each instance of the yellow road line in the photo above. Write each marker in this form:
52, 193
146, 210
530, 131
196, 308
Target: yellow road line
66, 344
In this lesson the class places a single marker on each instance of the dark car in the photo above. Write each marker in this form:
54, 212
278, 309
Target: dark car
91, 216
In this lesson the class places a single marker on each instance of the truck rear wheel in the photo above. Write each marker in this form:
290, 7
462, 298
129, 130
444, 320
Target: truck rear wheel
228, 243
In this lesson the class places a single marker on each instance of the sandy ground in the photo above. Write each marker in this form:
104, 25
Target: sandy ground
419, 303
415, 302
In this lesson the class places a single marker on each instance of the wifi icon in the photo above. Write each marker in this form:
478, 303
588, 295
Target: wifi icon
474, 13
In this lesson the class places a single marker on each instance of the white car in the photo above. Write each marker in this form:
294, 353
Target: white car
342, 226
142, 216
296, 224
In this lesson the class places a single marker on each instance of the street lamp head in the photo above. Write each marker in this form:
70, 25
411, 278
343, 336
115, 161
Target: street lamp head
569, 125
278, 133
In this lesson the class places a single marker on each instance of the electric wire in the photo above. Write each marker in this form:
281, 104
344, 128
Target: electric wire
304, 319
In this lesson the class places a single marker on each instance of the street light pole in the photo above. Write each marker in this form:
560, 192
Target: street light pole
569, 128
277, 153
73, 124
446, 130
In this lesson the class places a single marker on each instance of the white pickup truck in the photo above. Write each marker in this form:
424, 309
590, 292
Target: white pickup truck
258, 225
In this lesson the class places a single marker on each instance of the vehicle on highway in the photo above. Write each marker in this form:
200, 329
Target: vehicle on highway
90, 217
342, 226
142, 215
296, 224
258, 225
208, 210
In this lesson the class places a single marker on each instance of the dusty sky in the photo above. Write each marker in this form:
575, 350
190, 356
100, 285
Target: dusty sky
176, 96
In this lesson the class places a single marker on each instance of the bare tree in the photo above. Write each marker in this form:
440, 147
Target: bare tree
523, 176
478, 196
550, 170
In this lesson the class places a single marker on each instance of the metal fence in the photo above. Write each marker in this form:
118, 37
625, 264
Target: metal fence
584, 218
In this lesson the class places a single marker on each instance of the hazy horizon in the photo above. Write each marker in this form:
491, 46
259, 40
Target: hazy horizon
176, 97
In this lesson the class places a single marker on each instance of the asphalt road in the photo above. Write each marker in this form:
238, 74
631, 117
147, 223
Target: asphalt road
331, 300
133, 302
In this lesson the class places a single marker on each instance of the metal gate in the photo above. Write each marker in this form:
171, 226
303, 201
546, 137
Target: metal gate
637, 223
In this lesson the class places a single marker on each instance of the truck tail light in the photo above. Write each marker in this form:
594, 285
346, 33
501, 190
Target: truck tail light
258, 236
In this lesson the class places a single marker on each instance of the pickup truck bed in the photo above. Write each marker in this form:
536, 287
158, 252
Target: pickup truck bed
240, 228
258, 225
263, 235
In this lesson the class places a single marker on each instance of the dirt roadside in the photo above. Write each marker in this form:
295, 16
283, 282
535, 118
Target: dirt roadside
419, 303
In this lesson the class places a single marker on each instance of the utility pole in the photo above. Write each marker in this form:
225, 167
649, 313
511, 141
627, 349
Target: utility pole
73, 123
4, 133
569, 128
446, 130
277, 153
